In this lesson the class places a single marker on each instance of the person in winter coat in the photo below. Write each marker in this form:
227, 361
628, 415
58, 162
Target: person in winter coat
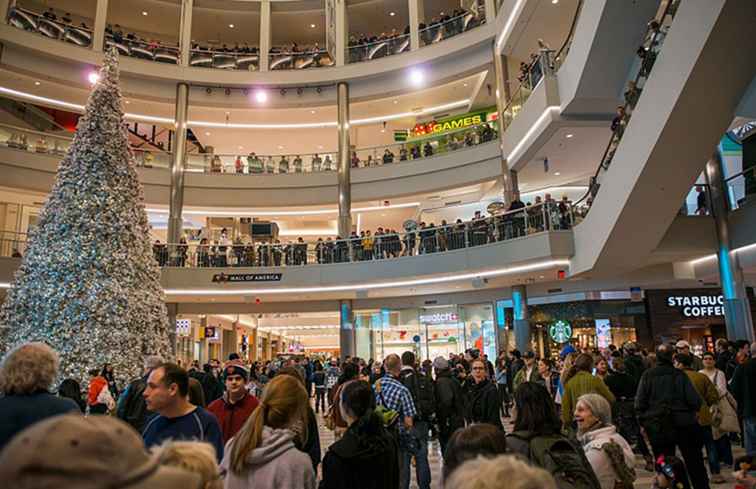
26, 375
367, 455
579, 381
448, 393
99, 398
237, 404
481, 397
307, 440
262, 455
609, 454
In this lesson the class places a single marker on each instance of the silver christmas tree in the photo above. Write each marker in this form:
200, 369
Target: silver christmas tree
88, 284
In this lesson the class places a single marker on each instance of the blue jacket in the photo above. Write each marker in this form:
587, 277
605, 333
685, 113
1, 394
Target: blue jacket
17, 412
198, 425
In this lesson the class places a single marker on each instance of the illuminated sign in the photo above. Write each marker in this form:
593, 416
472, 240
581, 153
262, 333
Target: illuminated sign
603, 333
560, 331
696, 306
439, 318
183, 327
450, 124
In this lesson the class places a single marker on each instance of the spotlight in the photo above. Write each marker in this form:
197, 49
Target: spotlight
261, 96
319, 90
245, 91
93, 77
283, 92
300, 91
417, 77
209, 91
228, 92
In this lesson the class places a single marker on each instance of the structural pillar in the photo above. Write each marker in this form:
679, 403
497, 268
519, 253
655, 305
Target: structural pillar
253, 342
521, 318
172, 314
416, 15
185, 31
100, 21
509, 187
178, 162
738, 320
345, 183
265, 34
341, 34
347, 343
490, 11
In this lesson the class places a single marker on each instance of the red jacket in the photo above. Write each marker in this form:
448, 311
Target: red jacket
231, 417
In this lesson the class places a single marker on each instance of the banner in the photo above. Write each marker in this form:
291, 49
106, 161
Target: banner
246, 277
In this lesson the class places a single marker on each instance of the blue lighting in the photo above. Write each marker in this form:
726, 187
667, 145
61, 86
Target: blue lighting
517, 304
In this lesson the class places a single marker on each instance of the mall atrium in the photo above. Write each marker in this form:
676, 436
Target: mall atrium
356, 178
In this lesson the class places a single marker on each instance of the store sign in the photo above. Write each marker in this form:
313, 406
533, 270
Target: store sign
183, 327
696, 306
603, 333
560, 331
247, 277
448, 125
439, 318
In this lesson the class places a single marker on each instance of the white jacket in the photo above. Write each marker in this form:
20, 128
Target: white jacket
599, 460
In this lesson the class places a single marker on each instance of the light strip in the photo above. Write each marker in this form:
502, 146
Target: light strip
229, 125
548, 190
552, 109
248, 212
372, 286
509, 25
713, 256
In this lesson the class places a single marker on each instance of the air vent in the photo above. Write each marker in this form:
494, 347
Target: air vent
554, 291
430, 303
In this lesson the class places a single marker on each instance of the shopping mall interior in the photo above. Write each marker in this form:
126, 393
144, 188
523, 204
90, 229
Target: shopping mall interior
276, 143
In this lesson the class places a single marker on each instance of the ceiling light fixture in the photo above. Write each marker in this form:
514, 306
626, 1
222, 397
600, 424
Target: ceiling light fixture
416, 76
392, 14
127, 101
231, 26
37, 83
554, 2
93, 77
569, 136
237, 212
207, 134
261, 96
312, 26
144, 12
556, 174
312, 112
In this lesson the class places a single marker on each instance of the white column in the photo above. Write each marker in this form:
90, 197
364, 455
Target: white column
185, 31
4, 7
265, 34
416, 15
490, 11
342, 32
101, 19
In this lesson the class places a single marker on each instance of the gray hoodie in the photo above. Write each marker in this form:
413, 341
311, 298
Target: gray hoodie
275, 464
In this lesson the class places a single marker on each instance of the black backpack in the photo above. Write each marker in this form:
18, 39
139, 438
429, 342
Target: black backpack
562, 458
421, 388
134, 409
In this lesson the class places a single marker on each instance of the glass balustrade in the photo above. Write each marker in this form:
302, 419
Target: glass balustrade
741, 188
258, 164
446, 27
129, 45
49, 25
244, 59
385, 244
380, 48
299, 60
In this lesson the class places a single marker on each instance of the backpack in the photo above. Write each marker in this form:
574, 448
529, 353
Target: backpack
625, 474
562, 458
421, 388
134, 409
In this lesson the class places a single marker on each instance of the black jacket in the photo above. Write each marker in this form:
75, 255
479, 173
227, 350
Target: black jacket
743, 388
449, 403
481, 403
666, 384
634, 366
17, 412
622, 385
366, 457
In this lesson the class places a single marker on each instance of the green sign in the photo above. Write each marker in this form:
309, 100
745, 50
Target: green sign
560, 331
400, 135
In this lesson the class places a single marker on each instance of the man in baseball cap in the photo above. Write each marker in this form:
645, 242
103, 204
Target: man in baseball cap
71, 451
683, 346
237, 404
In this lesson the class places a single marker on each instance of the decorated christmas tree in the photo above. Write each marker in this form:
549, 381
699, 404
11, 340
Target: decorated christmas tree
88, 284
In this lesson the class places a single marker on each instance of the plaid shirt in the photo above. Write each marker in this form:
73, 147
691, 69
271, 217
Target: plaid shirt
395, 396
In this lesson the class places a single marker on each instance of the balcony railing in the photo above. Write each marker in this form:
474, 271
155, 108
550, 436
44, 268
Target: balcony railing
378, 49
299, 60
224, 252
741, 188
27, 20
137, 48
253, 164
438, 31
224, 59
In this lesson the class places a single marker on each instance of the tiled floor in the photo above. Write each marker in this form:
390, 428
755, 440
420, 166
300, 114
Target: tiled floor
644, 480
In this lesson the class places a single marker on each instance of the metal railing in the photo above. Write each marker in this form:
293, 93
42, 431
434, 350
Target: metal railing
247, 59
299, 60
240, 252
28, 20
137, 48
653, 40
13, 244
438, 31
741, 188
253, 164
395, 44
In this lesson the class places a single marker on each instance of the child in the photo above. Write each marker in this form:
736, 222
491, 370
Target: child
744, 477
670, 474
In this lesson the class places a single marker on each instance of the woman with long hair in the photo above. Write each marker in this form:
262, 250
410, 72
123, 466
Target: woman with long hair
349, 372
481, 400
262, 454
71, 389
535, 415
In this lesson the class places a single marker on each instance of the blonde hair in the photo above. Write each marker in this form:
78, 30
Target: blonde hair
283, 405
28, 368
504, 471
194, 456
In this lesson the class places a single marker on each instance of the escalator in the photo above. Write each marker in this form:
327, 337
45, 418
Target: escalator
688, 102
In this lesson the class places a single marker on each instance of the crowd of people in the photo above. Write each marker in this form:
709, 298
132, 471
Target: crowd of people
579, 418
519, 220
51, 23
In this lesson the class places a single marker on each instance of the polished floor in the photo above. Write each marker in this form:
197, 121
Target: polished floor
644, 480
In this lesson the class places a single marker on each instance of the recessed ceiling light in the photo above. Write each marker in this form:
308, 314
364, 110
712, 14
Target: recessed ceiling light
312, 112
383, 130
128, 101
568, 136
207, 134
312, 26
144, 12
540, 276
280, 147
37, 83
392, 14
464, 84
416, 76
555, 2
557, 174
241, 147
396, 101
320, 146
231, 26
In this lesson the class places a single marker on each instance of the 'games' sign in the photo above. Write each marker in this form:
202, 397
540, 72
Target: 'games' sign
697, 305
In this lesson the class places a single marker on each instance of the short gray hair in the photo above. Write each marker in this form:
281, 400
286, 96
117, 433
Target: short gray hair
152, 361
599, 407
28, 368
488, 473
